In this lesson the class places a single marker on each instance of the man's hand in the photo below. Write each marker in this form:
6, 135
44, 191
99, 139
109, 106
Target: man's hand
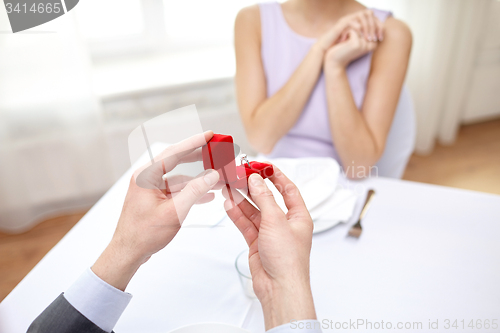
279, 248
154, 209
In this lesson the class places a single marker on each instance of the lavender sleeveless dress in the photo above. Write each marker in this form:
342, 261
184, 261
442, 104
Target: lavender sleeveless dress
282, 51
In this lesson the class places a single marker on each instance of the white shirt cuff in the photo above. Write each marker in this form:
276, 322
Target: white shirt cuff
98, 301
302, 326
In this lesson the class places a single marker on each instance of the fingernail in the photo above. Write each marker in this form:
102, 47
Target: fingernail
211, 178
256, 180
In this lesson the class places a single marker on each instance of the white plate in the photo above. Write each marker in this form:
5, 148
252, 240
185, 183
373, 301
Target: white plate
209, 328
324, 225
316, 178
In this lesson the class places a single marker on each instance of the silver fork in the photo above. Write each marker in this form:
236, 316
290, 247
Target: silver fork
356, 229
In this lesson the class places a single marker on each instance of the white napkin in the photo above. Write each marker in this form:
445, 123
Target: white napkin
339, 206
317, 179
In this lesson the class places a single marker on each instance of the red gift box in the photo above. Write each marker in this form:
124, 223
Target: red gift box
218, 154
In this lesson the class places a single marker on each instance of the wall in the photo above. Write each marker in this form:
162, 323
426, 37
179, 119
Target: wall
483, 99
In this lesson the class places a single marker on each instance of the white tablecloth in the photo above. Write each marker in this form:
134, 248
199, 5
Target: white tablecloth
426, 253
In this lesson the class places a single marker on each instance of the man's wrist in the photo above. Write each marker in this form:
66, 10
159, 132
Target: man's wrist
116, 266
288, 301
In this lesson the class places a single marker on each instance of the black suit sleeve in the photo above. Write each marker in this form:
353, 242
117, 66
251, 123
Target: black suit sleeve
62, 317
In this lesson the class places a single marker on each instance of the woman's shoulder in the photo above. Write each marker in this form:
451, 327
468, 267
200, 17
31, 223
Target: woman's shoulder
249, 14
248, 19
253, 13
397, 41
397, 30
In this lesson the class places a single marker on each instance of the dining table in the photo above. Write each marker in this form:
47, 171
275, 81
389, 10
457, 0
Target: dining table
428, 260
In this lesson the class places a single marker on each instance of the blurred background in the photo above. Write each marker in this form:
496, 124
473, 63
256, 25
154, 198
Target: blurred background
72, 90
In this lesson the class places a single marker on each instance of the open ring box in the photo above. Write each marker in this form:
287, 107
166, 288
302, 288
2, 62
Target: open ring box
218, 154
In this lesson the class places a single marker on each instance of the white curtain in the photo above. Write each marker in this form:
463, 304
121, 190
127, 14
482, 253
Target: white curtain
53, 157
445, 37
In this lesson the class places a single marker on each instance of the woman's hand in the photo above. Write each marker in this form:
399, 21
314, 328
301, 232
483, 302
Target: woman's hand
364, 22
279, 248
351, 47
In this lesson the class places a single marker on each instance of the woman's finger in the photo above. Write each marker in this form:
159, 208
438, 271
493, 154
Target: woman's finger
364, 24
362, 42
344, 36
354, 24
380, 30
370, 19
332, 35
371, 46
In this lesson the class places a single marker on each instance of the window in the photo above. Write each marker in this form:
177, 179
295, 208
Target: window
202, 22
96, 23
123, 27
